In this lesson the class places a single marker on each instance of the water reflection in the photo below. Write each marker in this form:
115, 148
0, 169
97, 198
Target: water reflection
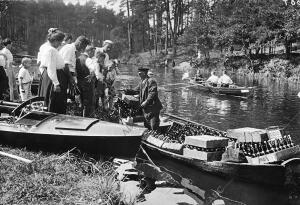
209, 187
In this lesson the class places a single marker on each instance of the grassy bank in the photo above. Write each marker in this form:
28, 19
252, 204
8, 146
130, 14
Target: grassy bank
57, 179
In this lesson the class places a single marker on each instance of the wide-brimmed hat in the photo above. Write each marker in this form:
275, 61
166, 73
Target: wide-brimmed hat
107, 42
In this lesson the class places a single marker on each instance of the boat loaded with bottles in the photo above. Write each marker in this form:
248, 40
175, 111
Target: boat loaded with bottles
266, 156
27, 125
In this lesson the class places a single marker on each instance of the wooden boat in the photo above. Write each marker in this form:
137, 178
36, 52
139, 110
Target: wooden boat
234, 90
278, 174
37, 129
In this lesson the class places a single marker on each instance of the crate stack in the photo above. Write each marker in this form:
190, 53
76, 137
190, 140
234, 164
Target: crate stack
262, 146
205, 147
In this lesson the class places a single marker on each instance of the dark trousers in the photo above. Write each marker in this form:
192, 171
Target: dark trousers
151, 121
55, 101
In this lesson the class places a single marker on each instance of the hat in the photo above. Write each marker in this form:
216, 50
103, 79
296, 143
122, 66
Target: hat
107, 42
143, 69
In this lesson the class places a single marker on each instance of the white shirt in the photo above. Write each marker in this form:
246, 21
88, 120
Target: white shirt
53, 61
9, 56
68, 54
3, 61
25, 75
40, 53
225, 79
213, 79
94, 67
106, 60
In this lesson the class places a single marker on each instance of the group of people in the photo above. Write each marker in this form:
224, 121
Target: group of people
79, 71
75, 70
223, 81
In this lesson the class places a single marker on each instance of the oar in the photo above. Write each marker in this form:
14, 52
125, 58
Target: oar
188, 86
16, 157
171, 84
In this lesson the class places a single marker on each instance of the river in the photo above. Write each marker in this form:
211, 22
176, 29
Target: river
274, 103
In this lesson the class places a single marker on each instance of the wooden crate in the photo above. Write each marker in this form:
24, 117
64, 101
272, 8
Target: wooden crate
248, 134
206, 141
276, 156
201, 155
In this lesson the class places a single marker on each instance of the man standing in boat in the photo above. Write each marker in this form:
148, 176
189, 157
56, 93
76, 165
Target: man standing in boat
148, 98
225, 80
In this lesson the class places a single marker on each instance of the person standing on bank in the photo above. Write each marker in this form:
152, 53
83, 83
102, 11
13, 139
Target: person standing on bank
148, 98
54, 81
86, 80
13, 90
4, 88
107, 44
25, 79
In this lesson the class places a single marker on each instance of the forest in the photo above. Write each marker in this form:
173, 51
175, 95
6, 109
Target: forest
158, 25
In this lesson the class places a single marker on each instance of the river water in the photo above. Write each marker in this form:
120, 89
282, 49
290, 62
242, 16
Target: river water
275, 103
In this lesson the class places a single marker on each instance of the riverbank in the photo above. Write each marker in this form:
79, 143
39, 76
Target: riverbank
57, 179
275, 65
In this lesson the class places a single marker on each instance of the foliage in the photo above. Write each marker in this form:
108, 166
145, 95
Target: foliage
53, 179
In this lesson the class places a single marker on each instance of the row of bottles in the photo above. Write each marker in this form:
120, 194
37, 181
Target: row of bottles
255, 149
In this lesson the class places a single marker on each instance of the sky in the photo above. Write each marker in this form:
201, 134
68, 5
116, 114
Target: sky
115, 7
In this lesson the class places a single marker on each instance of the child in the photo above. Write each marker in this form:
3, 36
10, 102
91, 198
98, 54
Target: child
110, 80
25, 79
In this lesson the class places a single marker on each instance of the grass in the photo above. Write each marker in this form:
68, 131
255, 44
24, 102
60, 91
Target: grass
57, 179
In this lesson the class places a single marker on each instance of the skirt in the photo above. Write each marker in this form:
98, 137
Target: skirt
55, 101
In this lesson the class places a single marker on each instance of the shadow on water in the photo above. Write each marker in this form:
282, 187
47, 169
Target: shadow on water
208, 187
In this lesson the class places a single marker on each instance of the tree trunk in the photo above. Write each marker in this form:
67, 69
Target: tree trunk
129, 27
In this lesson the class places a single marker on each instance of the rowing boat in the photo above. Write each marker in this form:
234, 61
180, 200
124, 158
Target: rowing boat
234, 90
158, 146
37, 129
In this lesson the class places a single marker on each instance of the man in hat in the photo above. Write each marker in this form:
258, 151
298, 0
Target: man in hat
148, 98
107, 44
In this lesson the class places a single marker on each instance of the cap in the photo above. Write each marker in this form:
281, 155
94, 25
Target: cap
143, 69
107, 42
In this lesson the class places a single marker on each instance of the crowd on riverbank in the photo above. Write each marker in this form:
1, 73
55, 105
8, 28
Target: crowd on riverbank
77, 70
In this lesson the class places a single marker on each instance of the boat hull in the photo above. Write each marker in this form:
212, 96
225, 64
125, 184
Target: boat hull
235, 91
269, 174
105, 145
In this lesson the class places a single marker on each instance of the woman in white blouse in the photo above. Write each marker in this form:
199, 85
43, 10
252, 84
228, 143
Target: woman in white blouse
53, 84
13, 89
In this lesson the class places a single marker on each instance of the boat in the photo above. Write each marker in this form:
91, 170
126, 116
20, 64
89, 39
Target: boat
160, 144
26, 126
234, 90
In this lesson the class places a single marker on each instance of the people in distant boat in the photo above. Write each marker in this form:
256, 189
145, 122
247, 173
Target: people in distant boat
198, 76
4, 87
225, 80
25, 79
13, 90
148, 98
86, 80
213, 79
54, 81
